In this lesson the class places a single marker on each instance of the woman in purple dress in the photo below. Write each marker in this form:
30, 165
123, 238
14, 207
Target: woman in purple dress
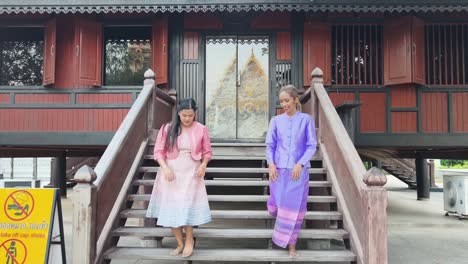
290, 144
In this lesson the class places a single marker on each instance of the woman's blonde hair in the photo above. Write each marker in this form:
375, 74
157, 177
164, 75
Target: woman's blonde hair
291, 90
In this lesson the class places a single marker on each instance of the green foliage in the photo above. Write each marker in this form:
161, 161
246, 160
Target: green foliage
124, 66
21, 63
453, 164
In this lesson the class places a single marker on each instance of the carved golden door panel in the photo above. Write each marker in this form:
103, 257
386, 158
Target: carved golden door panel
237, 87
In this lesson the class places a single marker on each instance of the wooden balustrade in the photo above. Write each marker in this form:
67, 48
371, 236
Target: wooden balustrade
118, 166
361, 197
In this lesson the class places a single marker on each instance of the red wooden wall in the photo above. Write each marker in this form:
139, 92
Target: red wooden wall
434, 112
403, 96
404, 122
373, 109
64, 120
460, 112
42, 98
104, 98
4, 98
317, 50
191, 46
283, 50
338, 98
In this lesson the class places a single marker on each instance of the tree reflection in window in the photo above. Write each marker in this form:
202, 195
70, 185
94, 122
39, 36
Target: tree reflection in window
128, 54
21, 56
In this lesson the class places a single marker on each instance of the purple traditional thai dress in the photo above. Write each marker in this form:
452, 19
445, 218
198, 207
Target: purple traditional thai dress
290, 140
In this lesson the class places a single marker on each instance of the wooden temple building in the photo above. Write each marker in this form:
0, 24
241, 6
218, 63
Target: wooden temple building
390, 86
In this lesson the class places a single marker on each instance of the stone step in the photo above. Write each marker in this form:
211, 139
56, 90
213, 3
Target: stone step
228, 233
232, 170
243, 255
261, 183
243, 214
239, 198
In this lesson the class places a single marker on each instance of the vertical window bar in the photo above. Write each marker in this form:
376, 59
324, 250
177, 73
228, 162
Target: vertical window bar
439, 53
463, 52
341, 54
445, 55
353, 60
366, 45
359, 54
371, 51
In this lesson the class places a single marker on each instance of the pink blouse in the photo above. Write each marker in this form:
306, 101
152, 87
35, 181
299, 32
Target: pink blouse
199, 143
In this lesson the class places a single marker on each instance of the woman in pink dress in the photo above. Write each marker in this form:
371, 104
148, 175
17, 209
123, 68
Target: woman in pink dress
179, 198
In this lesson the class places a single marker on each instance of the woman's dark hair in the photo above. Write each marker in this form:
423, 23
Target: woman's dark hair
174, 126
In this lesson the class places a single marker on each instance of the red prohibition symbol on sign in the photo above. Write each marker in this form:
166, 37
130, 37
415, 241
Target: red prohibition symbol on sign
19, 205
16, 252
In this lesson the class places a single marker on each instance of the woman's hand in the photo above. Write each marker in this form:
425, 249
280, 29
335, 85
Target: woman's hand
272, 172
296, 173
201, 170
168, 173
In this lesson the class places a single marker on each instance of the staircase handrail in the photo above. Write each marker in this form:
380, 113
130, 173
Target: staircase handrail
360, 193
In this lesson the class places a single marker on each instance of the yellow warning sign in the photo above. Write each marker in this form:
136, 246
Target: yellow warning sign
25, 225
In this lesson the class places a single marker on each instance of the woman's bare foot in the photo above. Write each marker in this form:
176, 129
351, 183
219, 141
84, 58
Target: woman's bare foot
188, 249
292, 251
177, 250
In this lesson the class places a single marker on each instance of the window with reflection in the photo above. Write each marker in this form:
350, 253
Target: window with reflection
127, 54
21, 56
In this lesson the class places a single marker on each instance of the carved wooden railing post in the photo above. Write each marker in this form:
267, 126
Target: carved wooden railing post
376, 201
84, 216
150, 76
317, 78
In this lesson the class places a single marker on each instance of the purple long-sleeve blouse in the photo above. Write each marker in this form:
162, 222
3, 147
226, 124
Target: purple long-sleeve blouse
291, 140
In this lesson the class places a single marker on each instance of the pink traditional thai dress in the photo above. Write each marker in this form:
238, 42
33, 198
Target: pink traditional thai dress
183, 201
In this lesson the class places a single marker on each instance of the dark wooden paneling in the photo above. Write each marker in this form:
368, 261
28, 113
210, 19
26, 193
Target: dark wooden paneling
373, 112
338, 98
4, 98
397, 53
99, 120
271, 20
66, 53
42, 98
103, 98
202, 21
88, 40
317, 50
403, 96
418, 51
404, 122
190, 86
460, 112
283, 46
50, 45
434, 112
160, 46
191, 46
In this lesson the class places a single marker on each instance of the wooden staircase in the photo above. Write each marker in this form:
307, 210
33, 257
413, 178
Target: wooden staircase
345, 222
237, 191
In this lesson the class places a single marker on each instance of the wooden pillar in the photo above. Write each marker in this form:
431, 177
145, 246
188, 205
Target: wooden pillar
60, 174
432, 172
34, 168
84, 216
422, 178
12, 168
